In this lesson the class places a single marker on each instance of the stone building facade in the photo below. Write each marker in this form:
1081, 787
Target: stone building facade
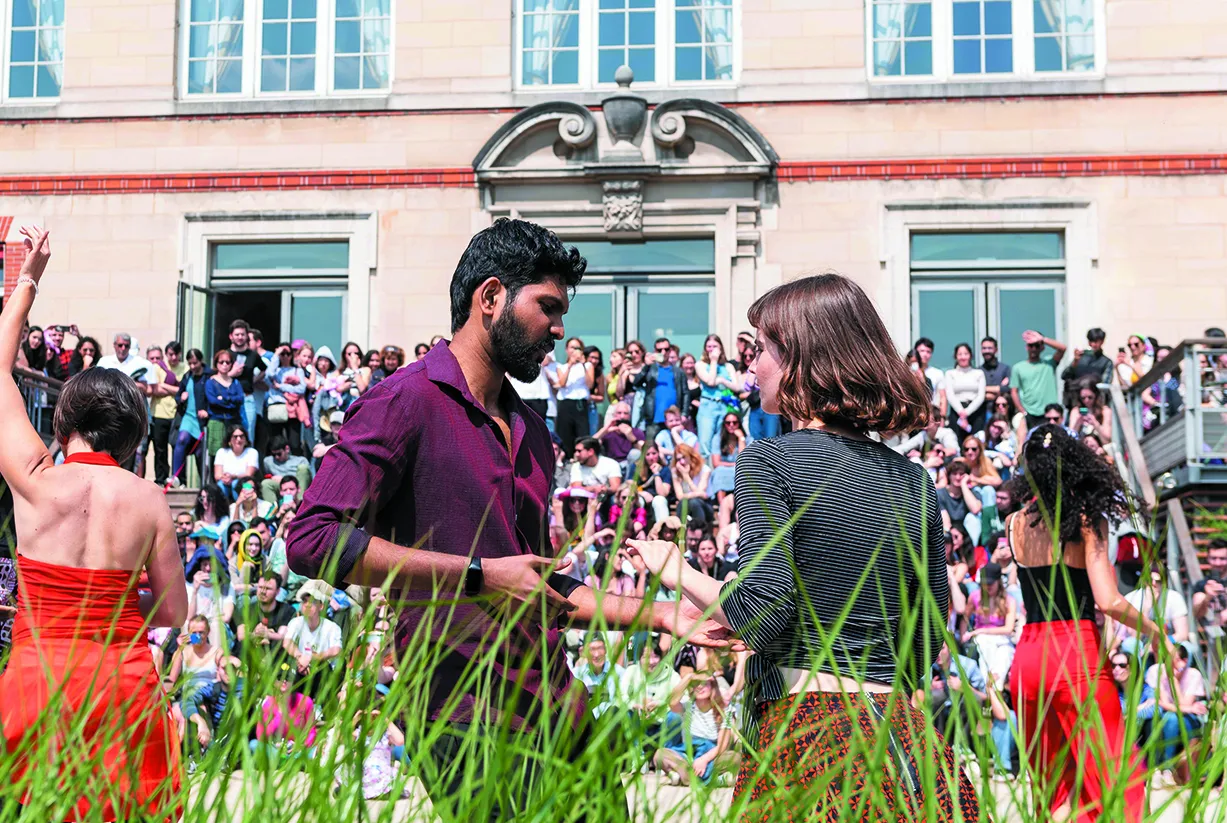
317, 166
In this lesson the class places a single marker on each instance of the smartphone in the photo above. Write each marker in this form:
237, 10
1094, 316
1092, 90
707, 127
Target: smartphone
1121, 350
195, 637
63, 328
286, 499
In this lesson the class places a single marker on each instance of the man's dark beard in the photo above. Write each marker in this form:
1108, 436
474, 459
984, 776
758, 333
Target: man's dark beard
990, 360
514, 351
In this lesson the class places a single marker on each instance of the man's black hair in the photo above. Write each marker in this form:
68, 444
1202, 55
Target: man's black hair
990, 339
256, 522
924, 341
240, 324
174, 347
293, 478
591, 444
519, 254
1055, 407
277, 443
269, 574
1096, 335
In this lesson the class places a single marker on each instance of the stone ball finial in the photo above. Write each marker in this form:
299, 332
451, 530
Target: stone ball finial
624, 76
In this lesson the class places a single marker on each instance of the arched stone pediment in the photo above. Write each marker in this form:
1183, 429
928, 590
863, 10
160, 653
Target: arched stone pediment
686, 137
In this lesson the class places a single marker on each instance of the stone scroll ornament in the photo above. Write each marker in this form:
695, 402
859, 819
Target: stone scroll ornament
623, 205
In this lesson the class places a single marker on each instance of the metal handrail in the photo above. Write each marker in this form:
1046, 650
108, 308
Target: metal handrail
1126, 434
1182, 548
40, 394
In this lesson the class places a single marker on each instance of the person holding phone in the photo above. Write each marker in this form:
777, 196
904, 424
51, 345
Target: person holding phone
195, 661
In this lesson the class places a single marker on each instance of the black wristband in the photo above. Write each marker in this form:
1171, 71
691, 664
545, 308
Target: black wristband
474, 578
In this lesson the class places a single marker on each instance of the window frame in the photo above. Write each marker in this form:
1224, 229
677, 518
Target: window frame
589, 52
6, 47
1023, 49
253, 41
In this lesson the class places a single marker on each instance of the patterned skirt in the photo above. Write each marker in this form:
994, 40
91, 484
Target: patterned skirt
851, 758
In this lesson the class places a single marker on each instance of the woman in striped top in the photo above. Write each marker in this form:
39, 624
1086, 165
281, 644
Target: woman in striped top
841, 582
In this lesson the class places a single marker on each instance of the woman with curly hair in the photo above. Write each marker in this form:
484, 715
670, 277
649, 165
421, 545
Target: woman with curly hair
1059, 541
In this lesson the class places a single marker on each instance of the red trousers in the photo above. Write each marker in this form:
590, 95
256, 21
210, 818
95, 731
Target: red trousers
1070, 717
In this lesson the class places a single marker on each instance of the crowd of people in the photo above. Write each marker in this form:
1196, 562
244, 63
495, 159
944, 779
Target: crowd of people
644, 448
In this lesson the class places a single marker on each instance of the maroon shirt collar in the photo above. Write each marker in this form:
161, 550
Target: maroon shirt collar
443, 368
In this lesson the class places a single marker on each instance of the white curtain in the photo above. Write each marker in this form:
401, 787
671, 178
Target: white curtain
887, 37
714, 22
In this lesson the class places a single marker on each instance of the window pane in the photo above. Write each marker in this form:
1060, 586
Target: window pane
998, 56
21, 81
947, 317
231, 42
272, 74
304, 9
1079, 16
608, 62
230, 10
566, 31
1081, 53
919, 20
375, 72
590, 318
24, 13
654, 257
1047, 17
349, 37
887, 59
918, 54
51, 13
1048, 54
719, 63
197, 77
658, 316
967, 56
1020, 310
22, 50
565, 67
997, 17
643, 64
348, 8
275, 40
988, 246
966, 19
302, 38
642, 29
612, 30
230, 77
887, 21
302, 74
318, 319
687, 27
377, 8
276, 9
203, 10
718, 25
347, 72
689, 64
313, 256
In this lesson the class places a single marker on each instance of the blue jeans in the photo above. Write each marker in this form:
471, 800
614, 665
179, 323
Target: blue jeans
707, 421
249, 416
594, 419
1002, 734
761, 425
185, 445
692, 750
1170, 723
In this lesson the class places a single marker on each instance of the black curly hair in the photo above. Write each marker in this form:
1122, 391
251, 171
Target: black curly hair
1061, 469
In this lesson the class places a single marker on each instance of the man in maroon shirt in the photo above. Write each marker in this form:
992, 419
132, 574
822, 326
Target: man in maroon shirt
443, 456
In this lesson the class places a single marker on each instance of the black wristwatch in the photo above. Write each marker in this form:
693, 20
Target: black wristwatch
474, 579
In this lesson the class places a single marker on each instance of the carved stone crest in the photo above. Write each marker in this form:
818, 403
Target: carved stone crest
623, 206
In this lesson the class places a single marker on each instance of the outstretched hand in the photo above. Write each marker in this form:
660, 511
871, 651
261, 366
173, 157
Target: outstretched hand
689, 623
38, 251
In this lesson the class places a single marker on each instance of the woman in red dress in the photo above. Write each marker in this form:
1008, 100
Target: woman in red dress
85, 722
1067, 705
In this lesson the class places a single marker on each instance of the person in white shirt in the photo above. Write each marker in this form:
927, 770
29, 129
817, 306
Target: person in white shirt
673, 433
924, 353
965, 387
1152, 599
312, 638
592, 471
148, 379
539, 394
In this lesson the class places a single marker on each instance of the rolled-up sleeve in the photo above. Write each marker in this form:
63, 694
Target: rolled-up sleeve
355, 480
761, 602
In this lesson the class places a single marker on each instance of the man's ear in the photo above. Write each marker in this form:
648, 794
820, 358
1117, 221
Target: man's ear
486, 298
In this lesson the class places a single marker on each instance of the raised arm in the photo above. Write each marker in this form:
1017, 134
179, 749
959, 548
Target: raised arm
1103, 585
23, 454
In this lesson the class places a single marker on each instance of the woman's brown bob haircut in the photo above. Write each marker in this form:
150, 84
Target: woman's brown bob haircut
106, 408
838, 362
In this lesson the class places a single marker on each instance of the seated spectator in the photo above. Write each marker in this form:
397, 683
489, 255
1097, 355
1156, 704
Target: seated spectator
619, 440
329, 434
249, 562
291, 580
209, 593
234, 462
196, 662
1001, 446
959, 498
700, 744
635, 510
919, 445
648, 687
728, 443
260, 620
706, 559
311, 639
674, 434
381, 745
691, 475
1182, 710
247, 505
654, 480
287, 724
991, 615
281, 463
217, 713
593, 471
956, 691
600, 676
1151, 597
1210, 593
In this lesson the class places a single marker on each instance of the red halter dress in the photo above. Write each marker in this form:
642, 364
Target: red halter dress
80, 694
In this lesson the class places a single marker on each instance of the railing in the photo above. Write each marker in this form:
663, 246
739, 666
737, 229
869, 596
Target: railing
40, 393
1131, 460
1185, 396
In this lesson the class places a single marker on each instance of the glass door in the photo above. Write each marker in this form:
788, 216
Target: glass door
681, 313
948, 314
315, 316
195, 318
1016, 307
595, 316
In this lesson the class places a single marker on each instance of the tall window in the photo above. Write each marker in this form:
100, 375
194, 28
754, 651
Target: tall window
551, 42
627, 31
245, 48
902, 38
582, 43
36, 49
983, 41
936, 40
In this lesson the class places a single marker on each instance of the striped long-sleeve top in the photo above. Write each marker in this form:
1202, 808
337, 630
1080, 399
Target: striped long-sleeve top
841, 547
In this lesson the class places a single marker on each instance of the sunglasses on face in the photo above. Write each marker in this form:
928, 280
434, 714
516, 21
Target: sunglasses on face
1116, 664
1053, 419
664, 350
972, 449
122, 345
